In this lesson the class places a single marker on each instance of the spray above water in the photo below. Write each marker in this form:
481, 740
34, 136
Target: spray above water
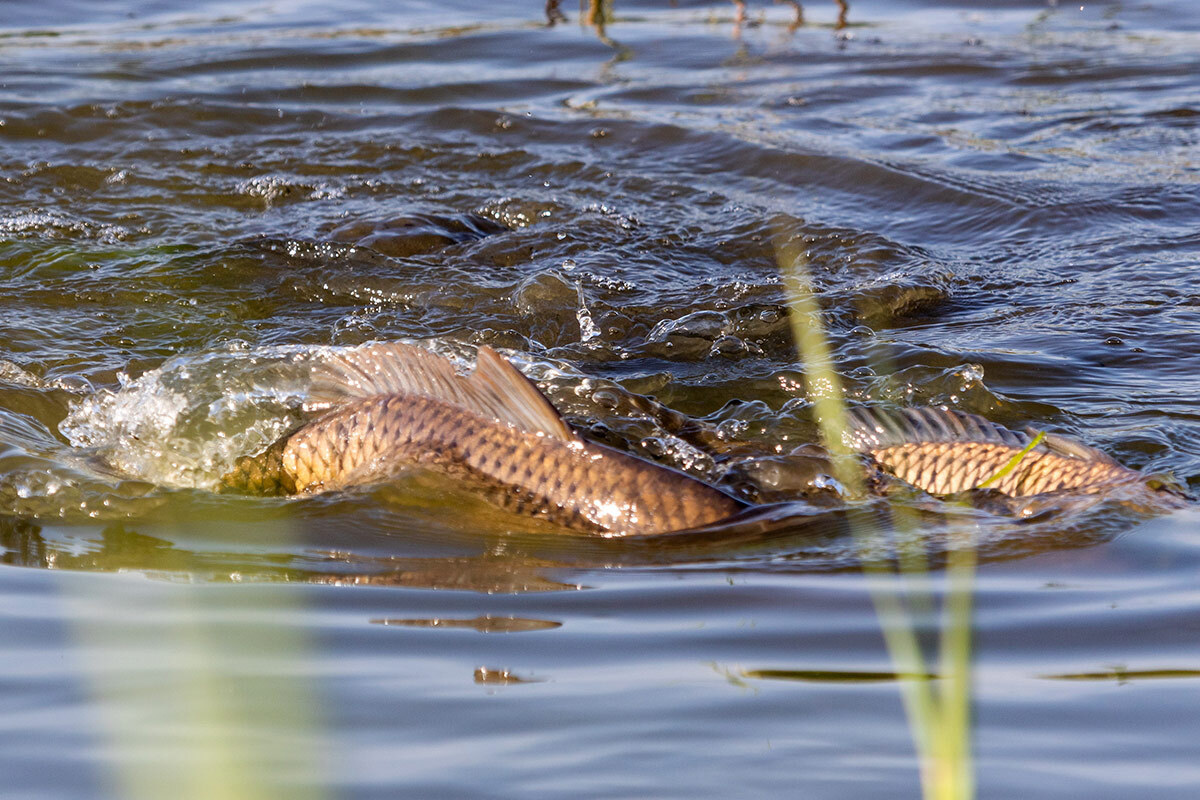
183, 424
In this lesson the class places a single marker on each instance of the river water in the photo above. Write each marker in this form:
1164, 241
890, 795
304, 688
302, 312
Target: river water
999, 208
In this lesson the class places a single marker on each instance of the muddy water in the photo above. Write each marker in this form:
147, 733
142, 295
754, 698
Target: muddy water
999, 212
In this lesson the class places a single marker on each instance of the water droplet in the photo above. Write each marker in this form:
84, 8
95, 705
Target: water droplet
587, 326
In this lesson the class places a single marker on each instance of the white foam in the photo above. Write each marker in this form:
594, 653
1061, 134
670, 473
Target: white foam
185, 423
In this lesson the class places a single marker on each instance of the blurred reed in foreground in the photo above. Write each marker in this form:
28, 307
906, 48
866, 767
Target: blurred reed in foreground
939, 711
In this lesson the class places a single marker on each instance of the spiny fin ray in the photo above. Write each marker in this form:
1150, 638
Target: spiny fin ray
496, 389
876, 429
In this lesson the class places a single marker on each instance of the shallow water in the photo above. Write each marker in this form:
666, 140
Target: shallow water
999, 212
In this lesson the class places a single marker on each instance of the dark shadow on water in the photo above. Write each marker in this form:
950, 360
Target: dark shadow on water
834, 676
465, 545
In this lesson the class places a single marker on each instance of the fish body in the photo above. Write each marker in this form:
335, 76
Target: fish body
952, 467
397, 407
946, 452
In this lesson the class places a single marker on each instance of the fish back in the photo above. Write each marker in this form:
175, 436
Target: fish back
945, 452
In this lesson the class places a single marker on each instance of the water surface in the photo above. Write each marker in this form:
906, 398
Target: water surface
999, 212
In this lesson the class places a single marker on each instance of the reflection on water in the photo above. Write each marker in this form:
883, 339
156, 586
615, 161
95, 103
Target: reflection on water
1124, 675
502, 677
833, 676
484, 624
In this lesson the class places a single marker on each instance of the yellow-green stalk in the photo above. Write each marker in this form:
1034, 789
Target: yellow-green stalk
939, 717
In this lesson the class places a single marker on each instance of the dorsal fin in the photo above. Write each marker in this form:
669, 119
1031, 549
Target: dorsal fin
874, 428
514, 398
496, 389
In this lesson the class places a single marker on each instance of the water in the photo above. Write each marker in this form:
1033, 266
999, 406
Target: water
998, 208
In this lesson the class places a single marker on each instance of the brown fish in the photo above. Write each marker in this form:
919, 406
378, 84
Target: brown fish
395, 406
946, 452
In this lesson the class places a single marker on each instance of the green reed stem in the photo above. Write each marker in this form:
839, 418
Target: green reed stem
822, 383
939, 720
955, 779
1014, 461
954, 774
913, 561
201, 727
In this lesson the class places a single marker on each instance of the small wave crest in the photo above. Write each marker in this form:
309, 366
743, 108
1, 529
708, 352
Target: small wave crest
184, 423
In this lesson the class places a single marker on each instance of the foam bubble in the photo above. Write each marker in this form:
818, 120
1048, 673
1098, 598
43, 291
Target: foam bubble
185, 423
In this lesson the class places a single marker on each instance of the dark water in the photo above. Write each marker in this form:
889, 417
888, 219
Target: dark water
1000, 210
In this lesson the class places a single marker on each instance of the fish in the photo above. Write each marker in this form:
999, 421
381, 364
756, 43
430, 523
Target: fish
391, 407
945, 452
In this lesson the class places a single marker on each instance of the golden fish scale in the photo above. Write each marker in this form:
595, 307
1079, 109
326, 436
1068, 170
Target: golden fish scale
950, 467
574, 483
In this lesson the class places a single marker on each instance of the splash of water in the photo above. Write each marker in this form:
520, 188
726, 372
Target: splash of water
184, 423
